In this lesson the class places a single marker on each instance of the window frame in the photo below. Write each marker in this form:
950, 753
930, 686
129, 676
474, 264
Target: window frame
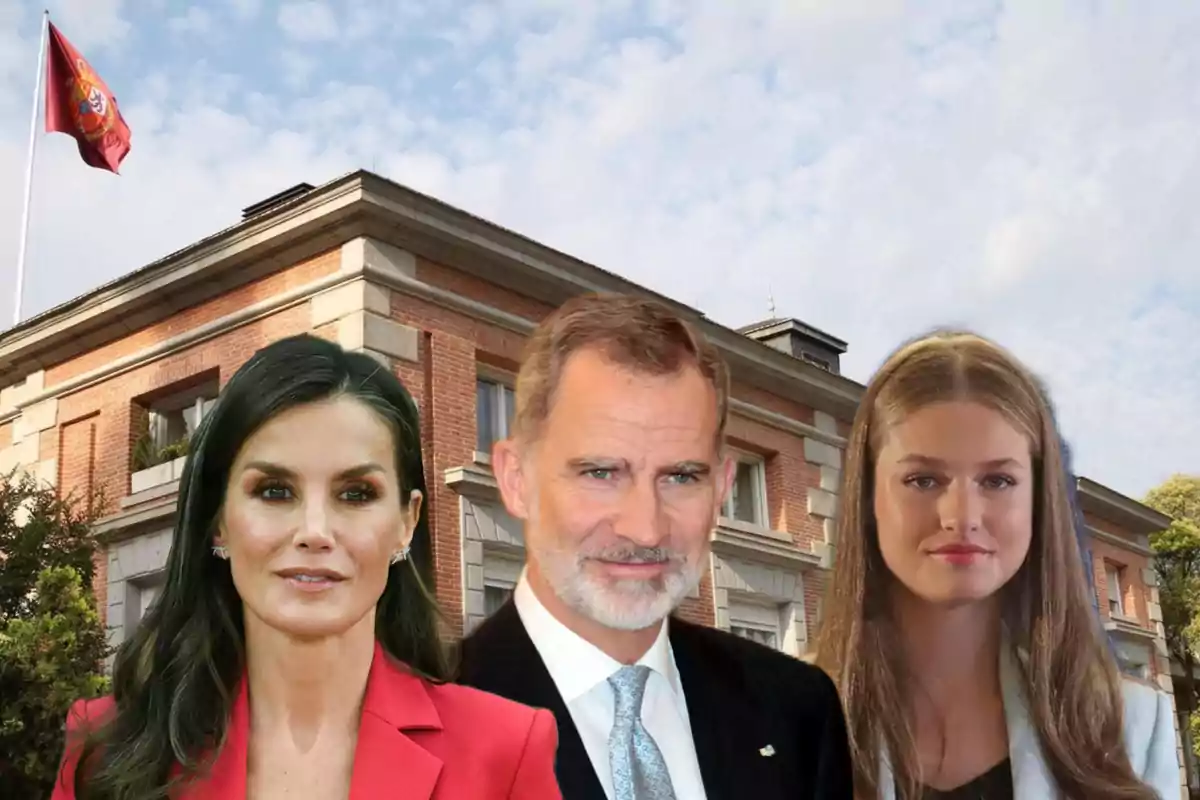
760, 615
758, 464
1114, 573
503, 405
502, 571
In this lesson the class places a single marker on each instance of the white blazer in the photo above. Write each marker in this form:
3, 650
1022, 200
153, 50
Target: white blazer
1149, 740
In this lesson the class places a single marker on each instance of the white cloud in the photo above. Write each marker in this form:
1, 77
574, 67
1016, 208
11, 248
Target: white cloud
1029, 169
89, 24
244, 9
297, 67
195, 20
308, 21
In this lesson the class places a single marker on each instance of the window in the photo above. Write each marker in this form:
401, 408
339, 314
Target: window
756, 620
823, 363
170, 424
747, 500
501, 572
1133, 658
494, 597
1114, 574
494, 405
1134, 669
756, 634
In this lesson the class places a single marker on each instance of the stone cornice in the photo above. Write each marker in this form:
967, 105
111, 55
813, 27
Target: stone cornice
1129, 629
473, 480
1140, 546
736, 543
1115, 507
154, 515
233, 257
189, 338
364, 204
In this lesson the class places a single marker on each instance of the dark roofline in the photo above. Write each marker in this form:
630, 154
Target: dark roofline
772, 327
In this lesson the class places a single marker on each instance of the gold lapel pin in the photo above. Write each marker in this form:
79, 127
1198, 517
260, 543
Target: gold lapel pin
767, 751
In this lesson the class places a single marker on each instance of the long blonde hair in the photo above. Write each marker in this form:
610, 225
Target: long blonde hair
1071, 679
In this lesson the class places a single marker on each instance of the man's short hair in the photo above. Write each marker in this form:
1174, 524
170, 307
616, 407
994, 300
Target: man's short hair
636, 333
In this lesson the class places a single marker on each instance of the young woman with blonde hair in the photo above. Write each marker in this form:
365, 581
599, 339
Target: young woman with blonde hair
958, 625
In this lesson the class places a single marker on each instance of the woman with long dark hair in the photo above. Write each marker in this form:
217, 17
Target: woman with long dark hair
294, 650
959, 625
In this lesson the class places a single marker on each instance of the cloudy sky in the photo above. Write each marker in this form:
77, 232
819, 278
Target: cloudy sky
1030, 168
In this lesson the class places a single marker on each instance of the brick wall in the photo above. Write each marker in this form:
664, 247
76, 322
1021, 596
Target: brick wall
1134, 592
99, 423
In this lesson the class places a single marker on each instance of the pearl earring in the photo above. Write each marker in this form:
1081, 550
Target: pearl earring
220, 552
399, 555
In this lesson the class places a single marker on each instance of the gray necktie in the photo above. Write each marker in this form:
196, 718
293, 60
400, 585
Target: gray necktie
638, 769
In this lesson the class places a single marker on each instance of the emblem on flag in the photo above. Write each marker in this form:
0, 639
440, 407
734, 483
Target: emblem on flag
79, 104
92, 112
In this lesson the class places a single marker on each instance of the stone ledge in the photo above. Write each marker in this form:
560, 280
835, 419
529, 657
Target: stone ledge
1130, 628
831, 479
825, 422
816, 452
754, 547
473, 481
20, 454
822, 503
362, 330
169, 489
13, 396
364, 254
36, 418
126, 524
333, 304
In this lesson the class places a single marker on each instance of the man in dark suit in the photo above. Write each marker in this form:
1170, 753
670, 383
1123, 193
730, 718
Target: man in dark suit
617, 469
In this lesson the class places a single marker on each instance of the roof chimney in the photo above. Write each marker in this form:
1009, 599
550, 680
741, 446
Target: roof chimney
299, 190
800, 341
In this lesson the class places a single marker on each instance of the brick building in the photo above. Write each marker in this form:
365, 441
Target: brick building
1118, 535
101, 391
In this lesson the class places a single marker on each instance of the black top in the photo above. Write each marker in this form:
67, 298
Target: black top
995, 784
741, 697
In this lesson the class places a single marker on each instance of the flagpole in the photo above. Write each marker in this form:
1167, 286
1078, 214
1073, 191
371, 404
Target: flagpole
33, 124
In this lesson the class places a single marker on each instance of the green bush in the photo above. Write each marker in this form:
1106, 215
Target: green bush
52, 643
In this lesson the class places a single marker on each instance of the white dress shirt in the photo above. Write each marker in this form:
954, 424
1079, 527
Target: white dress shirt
580, 670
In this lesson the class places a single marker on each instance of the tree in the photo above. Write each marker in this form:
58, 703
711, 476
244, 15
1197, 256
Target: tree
1177, 566
52, 643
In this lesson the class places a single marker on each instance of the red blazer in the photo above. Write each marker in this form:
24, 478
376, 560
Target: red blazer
416, 741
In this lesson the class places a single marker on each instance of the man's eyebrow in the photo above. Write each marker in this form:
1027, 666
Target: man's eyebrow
597, 462
691, 467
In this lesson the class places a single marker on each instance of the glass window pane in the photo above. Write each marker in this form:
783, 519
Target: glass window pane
745, 494
510, 407
485, 413
494, 597
1115, 604
763, 637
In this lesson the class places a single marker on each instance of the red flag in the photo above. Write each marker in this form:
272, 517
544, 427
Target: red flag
79, 104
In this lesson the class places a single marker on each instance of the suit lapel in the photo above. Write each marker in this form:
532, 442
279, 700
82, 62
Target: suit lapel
386, 760
887, 780
1031, 775
396, 703
500, 657
723, 720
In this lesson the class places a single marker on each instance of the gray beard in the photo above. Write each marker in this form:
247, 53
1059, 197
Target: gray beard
627, 605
